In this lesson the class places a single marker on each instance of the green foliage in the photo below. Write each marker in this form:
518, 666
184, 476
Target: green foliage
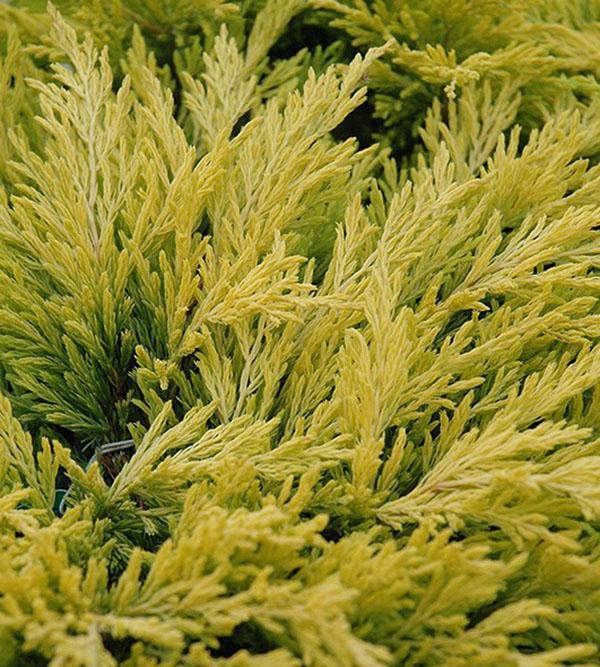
362, 381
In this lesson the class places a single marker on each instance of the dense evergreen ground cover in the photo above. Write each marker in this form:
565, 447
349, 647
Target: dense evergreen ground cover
332, 266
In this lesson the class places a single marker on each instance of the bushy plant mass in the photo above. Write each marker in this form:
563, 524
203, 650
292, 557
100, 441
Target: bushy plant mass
332, 266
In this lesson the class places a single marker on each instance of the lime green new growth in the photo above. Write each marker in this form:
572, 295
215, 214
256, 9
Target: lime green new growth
334, 267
